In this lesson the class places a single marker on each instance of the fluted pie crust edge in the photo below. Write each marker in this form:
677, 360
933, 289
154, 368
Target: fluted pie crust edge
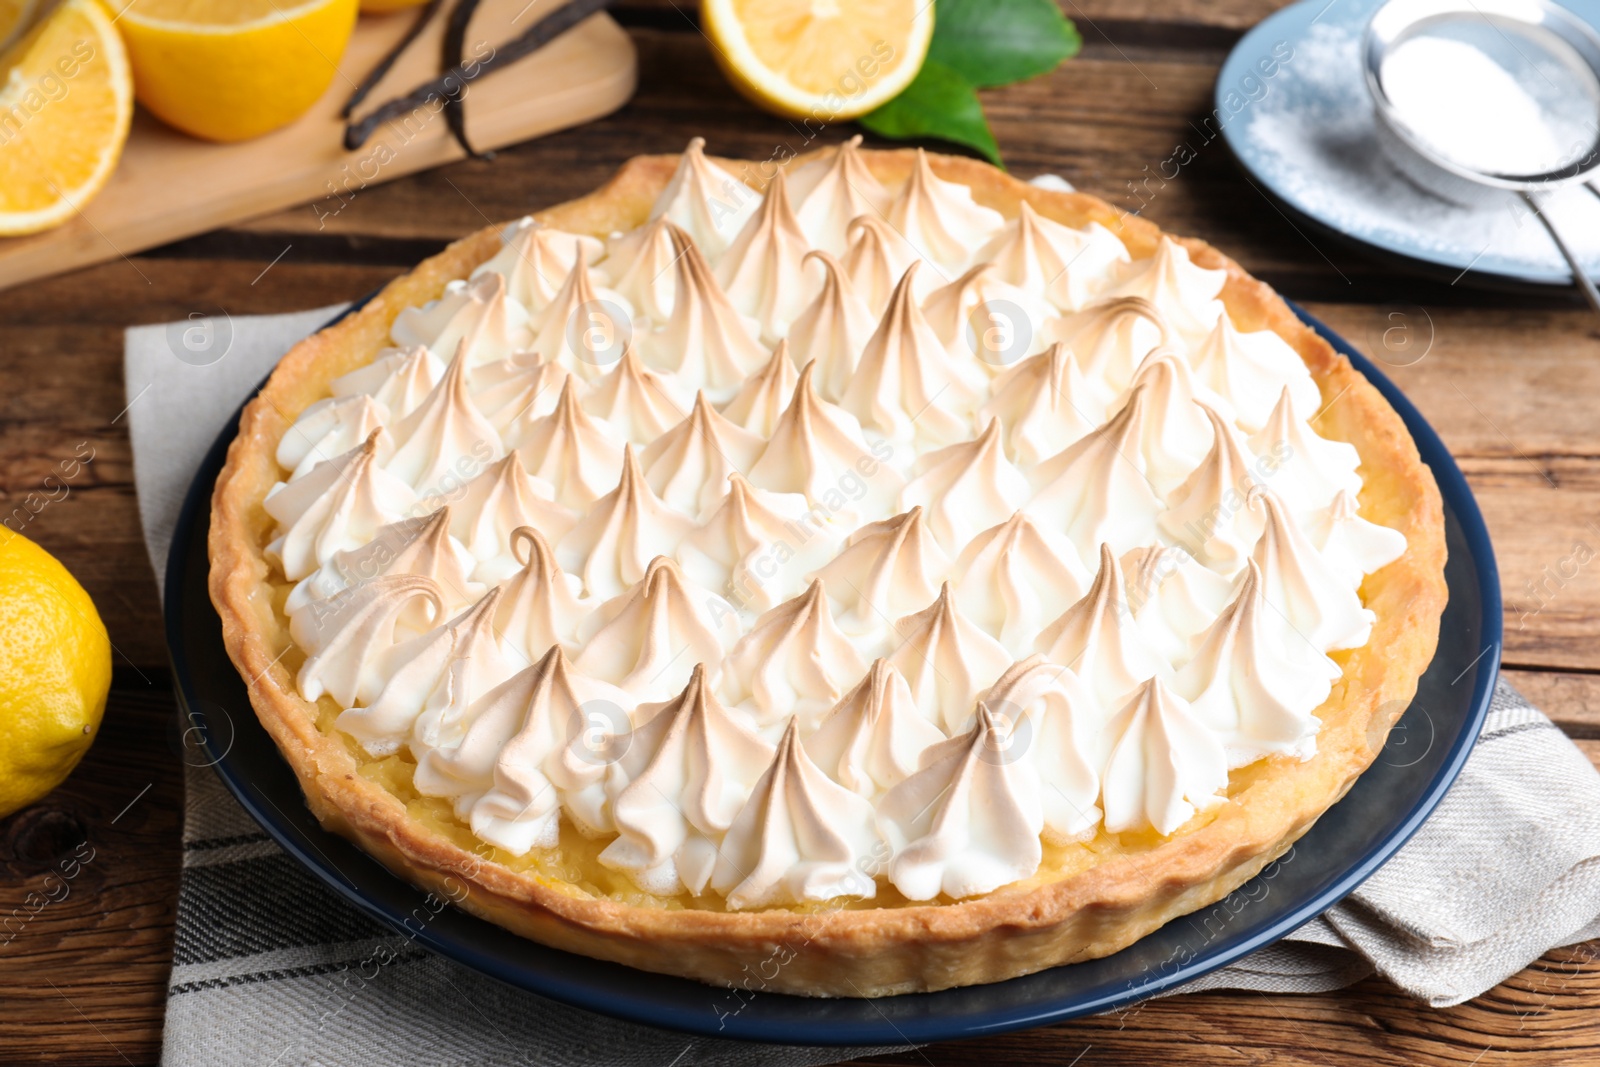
875, 951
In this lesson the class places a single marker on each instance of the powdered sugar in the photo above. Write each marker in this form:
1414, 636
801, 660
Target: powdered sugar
1316, 145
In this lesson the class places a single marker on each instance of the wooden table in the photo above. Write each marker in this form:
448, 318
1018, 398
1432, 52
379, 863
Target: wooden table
1510, 382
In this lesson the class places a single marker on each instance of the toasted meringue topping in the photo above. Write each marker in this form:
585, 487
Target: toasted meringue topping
1352, 546
612, 546
584, 328
535, 260
817, 449
1311, 470
421, 546
640, 267
399, 379
517, 735
907, 385
983, 316
518, 389
347, 637
1111, 337
338, 505
1173, 597
832, 191
947, 660
794, 657
477, 312
541, 604
1207, 512
1053, 717
877, 258
1013, 578
969, 821
706, 344
1098, 639
1250, 370
1066, 266
888, 569
446, 437
689, 465
755, 546
647, 639
1185, 293
494, 504
832, 330
1045, 404
689, 767
763, 271
638, 403
962, 486
874, 737
940, 219
1164, 764
710, 204
799, 837
330, 428
1174, 432
1316, 602
431, 682
1254, 698
1095, 491
760, 401
577, 454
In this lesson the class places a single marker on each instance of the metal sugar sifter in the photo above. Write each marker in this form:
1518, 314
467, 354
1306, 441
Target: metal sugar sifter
1480, 99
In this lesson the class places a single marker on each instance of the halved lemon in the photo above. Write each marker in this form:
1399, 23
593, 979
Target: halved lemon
65, 104
824, 60
229, 70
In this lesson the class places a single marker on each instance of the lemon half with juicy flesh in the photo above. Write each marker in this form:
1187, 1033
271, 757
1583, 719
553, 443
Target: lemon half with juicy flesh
820, 60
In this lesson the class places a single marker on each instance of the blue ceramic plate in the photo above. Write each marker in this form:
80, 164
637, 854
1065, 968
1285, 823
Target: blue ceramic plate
1292, 104
1382, 810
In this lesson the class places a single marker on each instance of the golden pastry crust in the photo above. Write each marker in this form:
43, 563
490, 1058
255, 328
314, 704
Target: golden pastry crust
867, 951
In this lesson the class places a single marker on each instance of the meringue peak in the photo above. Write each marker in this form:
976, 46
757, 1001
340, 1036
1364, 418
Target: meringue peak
571, 450
1164, 764
1096, 637
968, 821
940, 219
646, 639
832, 329
1065, 265
762, 398
762, 271
705, 343
795, 658
946, 659
705, 200
962, 485
875, 735
613, 545
831, 192
906, 383
888, 568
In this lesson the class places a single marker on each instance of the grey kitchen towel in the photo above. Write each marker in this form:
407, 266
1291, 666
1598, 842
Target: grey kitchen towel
271, 967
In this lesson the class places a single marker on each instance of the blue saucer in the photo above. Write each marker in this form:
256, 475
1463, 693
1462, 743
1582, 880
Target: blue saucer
1382, 810
1292, 104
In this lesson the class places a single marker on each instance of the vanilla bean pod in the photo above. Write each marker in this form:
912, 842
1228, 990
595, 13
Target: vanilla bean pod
453, 82
453, 53
375, 75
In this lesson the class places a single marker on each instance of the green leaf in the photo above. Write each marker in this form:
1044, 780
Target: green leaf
939, 103
997, 42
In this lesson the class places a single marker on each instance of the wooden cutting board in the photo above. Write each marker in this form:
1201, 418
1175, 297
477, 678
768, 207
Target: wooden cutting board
169, 185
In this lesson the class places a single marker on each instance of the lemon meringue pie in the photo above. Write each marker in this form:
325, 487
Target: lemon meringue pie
874, 559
